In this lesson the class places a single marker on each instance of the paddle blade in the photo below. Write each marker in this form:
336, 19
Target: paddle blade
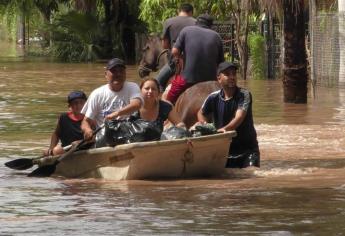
44, 171
20, 164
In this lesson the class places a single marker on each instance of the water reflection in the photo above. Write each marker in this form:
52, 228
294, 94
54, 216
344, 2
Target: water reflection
200, 207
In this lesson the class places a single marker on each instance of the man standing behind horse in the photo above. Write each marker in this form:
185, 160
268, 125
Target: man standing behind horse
202, 51
171, 30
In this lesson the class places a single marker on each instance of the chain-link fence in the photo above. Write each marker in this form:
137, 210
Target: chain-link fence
327, 51
226, 30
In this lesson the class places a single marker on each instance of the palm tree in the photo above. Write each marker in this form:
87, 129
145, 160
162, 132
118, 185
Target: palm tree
295, 75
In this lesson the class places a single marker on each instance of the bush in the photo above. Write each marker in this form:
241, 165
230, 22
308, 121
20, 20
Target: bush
257, 55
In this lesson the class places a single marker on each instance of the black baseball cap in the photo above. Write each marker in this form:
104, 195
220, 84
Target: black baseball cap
115, 62
205, 19
75, 95
225, 65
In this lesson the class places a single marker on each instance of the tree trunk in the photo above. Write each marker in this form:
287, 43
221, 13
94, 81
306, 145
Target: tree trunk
21, 31
295, 76
241, 26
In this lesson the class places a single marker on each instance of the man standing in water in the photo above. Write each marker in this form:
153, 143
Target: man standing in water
171, 30
231, 109
116, 99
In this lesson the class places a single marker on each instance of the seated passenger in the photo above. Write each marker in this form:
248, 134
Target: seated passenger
68, 126
231, 109
154, 109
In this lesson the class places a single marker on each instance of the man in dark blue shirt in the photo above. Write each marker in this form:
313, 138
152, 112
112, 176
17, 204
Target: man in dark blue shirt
231, 109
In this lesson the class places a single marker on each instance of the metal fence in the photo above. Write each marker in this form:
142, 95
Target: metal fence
226, 30
327, 52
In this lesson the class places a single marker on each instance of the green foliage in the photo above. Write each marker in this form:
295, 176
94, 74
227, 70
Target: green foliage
155, 12
11, 12
257, 55
74, 35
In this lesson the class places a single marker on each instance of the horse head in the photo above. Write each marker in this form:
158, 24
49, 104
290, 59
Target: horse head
153, 56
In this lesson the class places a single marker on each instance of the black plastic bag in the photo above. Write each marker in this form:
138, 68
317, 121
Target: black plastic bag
130, 131
174, 132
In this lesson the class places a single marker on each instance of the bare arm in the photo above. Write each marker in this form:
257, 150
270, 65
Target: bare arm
202, 118
235, 122
175, 52
175, 119
86, 126
134, 105
54, 140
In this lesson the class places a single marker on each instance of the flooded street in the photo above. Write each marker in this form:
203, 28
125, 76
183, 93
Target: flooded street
299, 189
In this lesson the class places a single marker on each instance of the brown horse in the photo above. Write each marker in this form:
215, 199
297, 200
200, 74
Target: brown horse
153, 56
190, 101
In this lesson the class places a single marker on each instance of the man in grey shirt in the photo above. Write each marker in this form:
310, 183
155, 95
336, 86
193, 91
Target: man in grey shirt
171, 29
202, 51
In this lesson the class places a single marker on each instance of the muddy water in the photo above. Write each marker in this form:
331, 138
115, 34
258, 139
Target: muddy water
299, 189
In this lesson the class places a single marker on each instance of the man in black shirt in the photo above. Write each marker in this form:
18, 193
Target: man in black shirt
202, 51
231, 109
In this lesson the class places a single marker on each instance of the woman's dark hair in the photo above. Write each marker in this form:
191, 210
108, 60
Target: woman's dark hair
150, 79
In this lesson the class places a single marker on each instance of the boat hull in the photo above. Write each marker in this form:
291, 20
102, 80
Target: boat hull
182, 158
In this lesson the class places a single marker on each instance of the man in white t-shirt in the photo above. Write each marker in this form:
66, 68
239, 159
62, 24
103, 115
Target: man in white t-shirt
115, 100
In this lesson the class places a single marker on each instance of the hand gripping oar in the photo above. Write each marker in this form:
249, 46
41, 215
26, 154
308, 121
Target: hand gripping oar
48, 170
26, 163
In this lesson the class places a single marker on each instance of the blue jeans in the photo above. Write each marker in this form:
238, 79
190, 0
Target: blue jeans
164, 75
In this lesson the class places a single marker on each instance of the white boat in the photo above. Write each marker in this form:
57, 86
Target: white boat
192, 157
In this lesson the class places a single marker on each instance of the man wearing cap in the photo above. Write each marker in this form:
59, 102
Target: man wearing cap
202, 51
231, 109
115, 100
171, 29
68, 126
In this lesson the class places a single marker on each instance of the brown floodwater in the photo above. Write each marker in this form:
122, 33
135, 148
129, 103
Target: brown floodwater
300, 188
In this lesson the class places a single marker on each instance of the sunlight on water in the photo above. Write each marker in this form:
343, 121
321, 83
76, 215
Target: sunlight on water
284, 171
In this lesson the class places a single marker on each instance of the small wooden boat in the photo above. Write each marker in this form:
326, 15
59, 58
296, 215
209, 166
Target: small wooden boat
193, 157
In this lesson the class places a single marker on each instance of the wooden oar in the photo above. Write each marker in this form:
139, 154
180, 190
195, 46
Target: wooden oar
26, 163
48, 170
